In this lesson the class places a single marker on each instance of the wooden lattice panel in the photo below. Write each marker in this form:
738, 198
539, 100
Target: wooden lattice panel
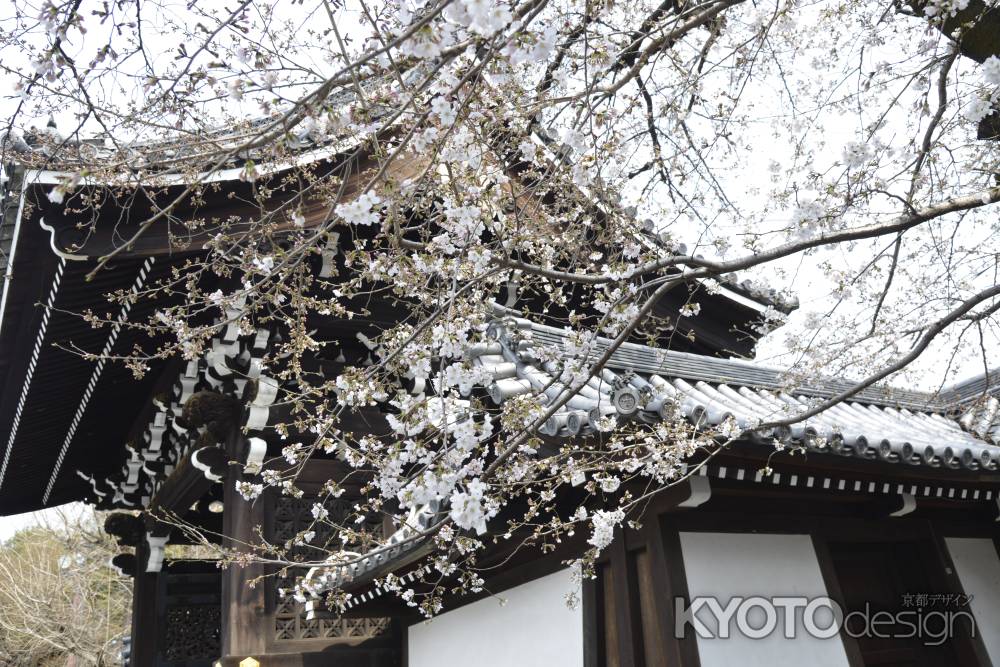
192, 632
291, 516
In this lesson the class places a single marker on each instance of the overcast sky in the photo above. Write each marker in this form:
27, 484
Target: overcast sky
11, 524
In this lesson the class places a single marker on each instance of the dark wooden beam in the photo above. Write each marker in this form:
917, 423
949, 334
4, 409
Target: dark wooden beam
819, 465
127, 529
244, 605
145, 589
832, 585
675, 587
186, 485
662, 625
628, 616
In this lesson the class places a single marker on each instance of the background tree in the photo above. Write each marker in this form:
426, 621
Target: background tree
60, 602
599, 154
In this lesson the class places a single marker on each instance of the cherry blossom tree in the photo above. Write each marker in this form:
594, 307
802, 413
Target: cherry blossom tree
596, 155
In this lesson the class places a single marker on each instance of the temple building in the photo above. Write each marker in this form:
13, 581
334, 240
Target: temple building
890, 502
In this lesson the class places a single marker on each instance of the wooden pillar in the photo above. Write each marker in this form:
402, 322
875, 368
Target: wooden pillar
670, 580
243, 607
144, 607
628, 619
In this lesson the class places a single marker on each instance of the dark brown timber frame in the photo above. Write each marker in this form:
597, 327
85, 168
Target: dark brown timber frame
629, 612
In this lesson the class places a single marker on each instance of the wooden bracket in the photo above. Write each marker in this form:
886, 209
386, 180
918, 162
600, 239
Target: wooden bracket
909, 504
700, 490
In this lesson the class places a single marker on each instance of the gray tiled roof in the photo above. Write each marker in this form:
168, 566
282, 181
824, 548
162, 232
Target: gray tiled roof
974, 389
643, 383
648, 384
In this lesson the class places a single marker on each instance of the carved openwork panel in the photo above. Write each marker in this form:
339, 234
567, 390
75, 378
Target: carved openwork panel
343, 630
292, 516
192, 632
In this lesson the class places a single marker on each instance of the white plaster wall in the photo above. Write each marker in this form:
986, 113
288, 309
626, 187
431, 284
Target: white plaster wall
747, 564
978, 569
534, 629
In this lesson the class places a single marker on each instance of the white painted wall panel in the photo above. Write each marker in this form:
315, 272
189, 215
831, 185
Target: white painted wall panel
978, 569
534, 629
746, 564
